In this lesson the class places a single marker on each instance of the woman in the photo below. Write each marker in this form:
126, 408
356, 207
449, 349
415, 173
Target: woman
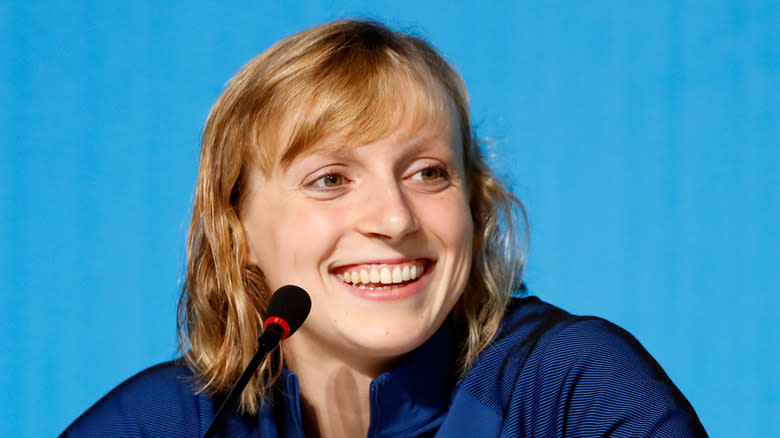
342, 160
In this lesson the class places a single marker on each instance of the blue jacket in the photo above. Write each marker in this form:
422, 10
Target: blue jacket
547, 374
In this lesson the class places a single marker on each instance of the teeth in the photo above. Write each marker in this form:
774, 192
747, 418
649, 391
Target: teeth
397, 275
370, 278
386, 276
366, 287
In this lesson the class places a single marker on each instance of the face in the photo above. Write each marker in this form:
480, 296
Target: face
379, 235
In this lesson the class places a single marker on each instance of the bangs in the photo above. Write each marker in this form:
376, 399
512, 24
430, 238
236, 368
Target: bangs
359, 99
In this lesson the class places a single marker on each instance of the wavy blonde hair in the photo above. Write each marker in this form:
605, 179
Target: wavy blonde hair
351, 80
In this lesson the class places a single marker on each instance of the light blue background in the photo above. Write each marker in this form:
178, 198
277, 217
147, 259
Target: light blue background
643, 137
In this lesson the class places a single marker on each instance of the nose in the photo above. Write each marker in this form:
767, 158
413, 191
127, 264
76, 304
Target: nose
386, 213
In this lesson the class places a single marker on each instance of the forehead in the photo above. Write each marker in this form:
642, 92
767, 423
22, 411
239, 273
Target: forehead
409, 120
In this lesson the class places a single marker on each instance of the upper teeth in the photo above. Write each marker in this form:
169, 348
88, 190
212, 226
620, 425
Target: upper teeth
384, 274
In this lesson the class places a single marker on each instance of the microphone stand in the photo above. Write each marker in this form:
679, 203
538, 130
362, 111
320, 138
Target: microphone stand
267, 342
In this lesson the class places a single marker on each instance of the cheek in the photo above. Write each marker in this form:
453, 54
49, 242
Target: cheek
450, 219
284, 236
311, 232
315, 222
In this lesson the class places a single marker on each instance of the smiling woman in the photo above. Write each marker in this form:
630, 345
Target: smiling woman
382, 218
342, 160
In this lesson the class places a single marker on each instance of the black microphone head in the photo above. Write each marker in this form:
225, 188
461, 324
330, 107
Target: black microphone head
290, 303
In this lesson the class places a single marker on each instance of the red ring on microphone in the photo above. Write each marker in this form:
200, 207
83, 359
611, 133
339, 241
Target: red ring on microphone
281, 322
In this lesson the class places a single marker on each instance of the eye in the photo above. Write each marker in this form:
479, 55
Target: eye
329, 183
431, 179
323, 176
331, 180
431, 174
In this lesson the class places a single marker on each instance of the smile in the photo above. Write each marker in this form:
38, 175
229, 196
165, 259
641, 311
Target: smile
382, 276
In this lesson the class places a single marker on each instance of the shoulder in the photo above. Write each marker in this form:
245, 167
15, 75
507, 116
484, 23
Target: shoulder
160, 401
526, 324
550, 372
537, 335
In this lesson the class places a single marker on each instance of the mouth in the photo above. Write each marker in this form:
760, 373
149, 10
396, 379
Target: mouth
372, 278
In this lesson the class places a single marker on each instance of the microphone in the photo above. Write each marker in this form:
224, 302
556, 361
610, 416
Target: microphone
288, 308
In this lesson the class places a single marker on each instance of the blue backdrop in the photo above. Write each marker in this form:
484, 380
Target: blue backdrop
643, 137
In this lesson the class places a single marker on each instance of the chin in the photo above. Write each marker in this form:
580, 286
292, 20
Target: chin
393, 337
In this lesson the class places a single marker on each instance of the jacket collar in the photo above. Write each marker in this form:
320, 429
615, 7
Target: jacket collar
407, 401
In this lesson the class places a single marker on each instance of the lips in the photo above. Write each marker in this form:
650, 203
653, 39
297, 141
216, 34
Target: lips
377, 276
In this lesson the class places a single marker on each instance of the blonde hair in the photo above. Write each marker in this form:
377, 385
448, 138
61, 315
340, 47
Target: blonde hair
353, 80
